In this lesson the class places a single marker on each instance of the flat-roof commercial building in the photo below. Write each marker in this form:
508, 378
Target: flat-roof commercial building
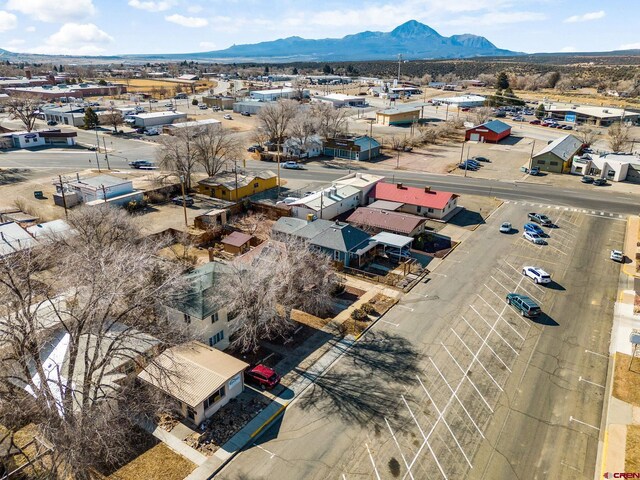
352, 148
616, 167
276, 94
153, 119
339, 100
249, 106
196, 125
398, 116
462, 101
557, 156
591, 115
81, 90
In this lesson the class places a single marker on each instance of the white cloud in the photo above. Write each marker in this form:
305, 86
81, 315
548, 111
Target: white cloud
190, 22
629, 46
76, 39
194, 9
568, 49
30, 29
207, 45
497, 18
12, 44
585, 17
58, 11
8, 21
152, 6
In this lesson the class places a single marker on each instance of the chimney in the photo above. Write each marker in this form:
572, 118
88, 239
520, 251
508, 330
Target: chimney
27, 73
399, 185
427, 189
77, 176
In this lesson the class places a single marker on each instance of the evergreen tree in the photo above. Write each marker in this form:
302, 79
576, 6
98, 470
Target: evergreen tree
294, 71
326, 69
540, 111
90, 118
502, 81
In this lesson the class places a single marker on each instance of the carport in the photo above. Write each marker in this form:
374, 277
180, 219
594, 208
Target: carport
394, 245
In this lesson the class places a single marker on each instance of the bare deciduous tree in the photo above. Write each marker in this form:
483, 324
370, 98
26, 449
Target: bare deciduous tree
275, 119
178, 154
481, 114
286, 275
215, 148
331, 121
25, 108
99, 326
618, 137
113, 118
586, 135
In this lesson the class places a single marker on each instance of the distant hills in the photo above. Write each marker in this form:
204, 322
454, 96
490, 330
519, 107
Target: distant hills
414, 40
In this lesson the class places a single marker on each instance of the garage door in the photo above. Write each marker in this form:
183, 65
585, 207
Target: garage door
474, 137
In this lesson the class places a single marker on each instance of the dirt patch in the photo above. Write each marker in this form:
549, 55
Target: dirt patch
636, 303
193, 255
227, 422
309, 320
626, 381
632, 450
157, 462
354, 327
382, 303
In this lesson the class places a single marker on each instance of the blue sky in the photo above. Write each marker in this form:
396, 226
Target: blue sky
93, 27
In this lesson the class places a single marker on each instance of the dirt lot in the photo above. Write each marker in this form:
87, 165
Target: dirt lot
157, 462
156, 86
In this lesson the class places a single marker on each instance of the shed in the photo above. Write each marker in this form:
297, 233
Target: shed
491, 132
236, 243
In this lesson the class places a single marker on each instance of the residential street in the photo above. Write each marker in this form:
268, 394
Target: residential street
453, 383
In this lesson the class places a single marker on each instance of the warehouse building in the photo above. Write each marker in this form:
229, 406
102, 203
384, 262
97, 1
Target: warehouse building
352, 148
462, 101
195, 126
339, 100
275, 94
558, 155
249, 106
153, 119
398, 116
50, 92
590, 115
491, 132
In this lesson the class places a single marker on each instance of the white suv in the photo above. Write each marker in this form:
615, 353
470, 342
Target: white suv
537, 274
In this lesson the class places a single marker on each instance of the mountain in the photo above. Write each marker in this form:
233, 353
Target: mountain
414, 40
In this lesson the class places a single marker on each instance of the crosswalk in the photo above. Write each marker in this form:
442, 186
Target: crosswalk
596, 213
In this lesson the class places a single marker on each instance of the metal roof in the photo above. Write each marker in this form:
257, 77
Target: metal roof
197, 371
496, 126
327, 197
564, 147
341, 237
236, 239
392, 240
393, 221
13, 238
100, 180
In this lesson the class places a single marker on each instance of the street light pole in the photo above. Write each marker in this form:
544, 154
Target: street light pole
184, 202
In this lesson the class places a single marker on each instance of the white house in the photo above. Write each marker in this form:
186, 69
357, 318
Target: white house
362, 181
207, 320
327, 203
202, 379
101, 188
309, 148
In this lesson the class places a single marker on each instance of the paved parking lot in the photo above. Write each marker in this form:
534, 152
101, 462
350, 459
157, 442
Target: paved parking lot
455, 383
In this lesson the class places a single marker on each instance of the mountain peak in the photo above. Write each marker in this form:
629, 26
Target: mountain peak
413, 28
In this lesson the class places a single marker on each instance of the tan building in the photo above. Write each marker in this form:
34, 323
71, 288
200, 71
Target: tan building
398, 116
203, 379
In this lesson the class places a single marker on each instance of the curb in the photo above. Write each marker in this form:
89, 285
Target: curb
268, 422
601, 456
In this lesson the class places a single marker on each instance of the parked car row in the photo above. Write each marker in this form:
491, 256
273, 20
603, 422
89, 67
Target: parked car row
594, 181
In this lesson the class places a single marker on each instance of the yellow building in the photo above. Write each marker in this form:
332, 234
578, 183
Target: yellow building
230, 186
398, 116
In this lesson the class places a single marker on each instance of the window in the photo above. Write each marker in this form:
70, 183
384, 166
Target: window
216, 338
430, 210
187, 319
191, 413
215, 397
554, 164
419, 209
26, 140
256, 185
541, 162
214, 317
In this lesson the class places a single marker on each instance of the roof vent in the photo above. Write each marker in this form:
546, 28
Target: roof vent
399, 185
427, 189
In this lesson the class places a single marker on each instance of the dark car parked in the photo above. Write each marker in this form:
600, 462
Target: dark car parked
522, 303
188, 201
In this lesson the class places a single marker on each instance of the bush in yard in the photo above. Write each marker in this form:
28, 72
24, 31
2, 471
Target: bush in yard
359, 314
369, 309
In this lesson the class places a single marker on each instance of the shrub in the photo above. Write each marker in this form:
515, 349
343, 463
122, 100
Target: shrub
369, 309
358, 314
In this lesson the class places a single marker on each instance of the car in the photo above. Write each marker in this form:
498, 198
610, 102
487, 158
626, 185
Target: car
501, 114
467, 166
535, 122
187, 200
142, 165
586, 179
567, 127
535, 171
471, 161
616, 256
522, 303
263, 376
600, 182
505, 227
151, 132
480, 159
540, 218
518, 119
202, 106
537, 274
245, 114
141, 130
292, 165
533, 228
52, 123
465, 109
554, 125
534, 238
168, 104
227, 117
153, 100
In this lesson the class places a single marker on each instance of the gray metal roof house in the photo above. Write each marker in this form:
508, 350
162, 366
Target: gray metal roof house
557, 156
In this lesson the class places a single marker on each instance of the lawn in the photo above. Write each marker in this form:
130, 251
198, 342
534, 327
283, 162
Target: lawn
632, 450
626, 382
157, 462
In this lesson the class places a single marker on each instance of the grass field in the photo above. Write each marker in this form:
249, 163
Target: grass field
157, 87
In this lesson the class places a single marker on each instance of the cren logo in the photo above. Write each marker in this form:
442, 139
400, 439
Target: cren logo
621, 475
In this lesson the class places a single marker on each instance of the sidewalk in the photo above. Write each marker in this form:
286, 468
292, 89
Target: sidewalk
252, 429
618, 415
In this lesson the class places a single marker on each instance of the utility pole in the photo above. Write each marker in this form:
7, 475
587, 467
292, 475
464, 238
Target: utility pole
235, 169
446, 115
106, 156
64, 199
399, 63
98, 160
104, 193
533, 146
184, 202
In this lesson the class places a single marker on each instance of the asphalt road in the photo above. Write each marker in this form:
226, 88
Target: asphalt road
453, 383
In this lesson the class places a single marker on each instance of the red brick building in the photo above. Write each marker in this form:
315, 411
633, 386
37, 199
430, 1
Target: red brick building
490, 132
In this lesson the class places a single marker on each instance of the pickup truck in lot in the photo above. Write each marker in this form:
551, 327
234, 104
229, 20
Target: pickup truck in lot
541, 219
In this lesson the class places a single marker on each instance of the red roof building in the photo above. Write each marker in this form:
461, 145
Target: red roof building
419, 201
491, 132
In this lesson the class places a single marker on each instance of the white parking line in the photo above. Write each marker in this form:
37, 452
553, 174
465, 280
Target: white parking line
580, 379
390, 323
596, 353
407, 308
609, 218
479, 362
271, 454
502, 318
424, 436
494, 330
484, 341
454, 395
372, 463
571, 419
465, 374
399, 449
556, 249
